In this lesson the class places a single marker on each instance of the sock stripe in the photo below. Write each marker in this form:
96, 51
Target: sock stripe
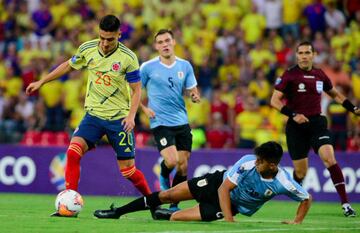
76, 147
339, 183
127, 172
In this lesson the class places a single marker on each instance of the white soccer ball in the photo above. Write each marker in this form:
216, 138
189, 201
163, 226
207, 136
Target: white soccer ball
69, 203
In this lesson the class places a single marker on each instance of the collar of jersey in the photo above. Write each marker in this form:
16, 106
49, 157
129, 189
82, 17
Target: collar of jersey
109, 54
168, 66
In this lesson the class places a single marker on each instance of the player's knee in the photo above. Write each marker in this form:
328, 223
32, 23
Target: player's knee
300, 174
171, 162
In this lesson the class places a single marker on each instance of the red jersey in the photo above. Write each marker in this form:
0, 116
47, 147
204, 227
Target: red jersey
303, 89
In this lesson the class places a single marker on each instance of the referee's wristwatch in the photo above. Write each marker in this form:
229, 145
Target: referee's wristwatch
293, 115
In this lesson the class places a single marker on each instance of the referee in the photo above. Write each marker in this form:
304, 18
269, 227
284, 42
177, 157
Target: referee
302, 86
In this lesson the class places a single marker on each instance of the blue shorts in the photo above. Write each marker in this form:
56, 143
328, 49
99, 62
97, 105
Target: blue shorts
92, 129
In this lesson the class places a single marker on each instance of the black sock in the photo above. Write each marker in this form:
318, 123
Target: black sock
165, 171
297, 179
142, 203
178, 179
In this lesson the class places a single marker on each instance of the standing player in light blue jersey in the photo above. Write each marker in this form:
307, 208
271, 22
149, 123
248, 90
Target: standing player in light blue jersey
165, 79
252, 181
112, 99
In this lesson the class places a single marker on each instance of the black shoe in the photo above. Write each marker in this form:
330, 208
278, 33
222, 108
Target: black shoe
163, 214
152, 211
111, 213
349, 211
55, 214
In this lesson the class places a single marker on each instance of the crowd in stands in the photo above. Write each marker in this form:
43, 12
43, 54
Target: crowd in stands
237, 48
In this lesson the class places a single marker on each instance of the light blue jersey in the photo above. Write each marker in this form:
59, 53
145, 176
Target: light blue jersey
165, 85
251, 193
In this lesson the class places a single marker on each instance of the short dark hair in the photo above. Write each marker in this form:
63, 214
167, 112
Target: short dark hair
109, 23
270, 151
164, 31
306, 43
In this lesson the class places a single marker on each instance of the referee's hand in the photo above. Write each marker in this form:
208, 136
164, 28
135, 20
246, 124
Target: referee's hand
357, 111
300, 118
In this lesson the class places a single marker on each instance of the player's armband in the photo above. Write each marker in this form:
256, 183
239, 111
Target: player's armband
349, 106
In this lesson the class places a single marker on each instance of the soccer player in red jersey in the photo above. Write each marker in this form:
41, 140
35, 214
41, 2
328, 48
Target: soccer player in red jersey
302, 86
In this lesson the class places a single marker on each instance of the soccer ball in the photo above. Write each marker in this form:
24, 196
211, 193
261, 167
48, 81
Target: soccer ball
69, 203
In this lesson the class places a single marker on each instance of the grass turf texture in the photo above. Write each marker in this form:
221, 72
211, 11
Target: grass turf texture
30, 213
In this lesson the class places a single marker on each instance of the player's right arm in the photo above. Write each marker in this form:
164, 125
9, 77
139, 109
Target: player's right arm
144, 80
224, 199
62, 69
301, 212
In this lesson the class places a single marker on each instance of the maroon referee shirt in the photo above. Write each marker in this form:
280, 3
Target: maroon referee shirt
303, 89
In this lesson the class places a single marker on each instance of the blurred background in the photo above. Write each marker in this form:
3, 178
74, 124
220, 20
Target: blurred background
237, 49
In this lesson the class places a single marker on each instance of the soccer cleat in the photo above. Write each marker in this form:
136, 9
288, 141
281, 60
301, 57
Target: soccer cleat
163, 214
164, 183
174, 207
111, 213
57, 214
349, 211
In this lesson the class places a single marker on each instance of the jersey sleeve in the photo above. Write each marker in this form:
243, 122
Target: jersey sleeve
327, 82
78, 60
132, 71
282, 82
235, 173
190, 80
292, 189
143, 75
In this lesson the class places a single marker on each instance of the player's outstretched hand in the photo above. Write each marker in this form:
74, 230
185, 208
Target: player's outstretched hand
128, 124
290, 222
195, 98
33, 87
149, 112
357, 111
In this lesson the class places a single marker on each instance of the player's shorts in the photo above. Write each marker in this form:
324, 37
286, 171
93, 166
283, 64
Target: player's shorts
92, 129
205, 191
180, 136
300, 137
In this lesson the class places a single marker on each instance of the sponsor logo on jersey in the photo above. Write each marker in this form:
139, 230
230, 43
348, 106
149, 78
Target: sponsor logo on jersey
128, 149
163, 142
116, 66
309, 76
301, 87
180, 75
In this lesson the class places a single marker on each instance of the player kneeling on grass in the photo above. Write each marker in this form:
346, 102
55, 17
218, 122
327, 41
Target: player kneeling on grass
251, 182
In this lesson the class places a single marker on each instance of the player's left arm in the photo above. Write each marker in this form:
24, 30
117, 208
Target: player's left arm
194, 94
301, 212
341, 99
129, 120
224, 199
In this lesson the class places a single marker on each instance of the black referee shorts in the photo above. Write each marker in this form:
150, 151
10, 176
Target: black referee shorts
166, 136
301, 137
205, 191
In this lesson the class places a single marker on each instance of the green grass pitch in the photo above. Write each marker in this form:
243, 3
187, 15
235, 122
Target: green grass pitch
30, 213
